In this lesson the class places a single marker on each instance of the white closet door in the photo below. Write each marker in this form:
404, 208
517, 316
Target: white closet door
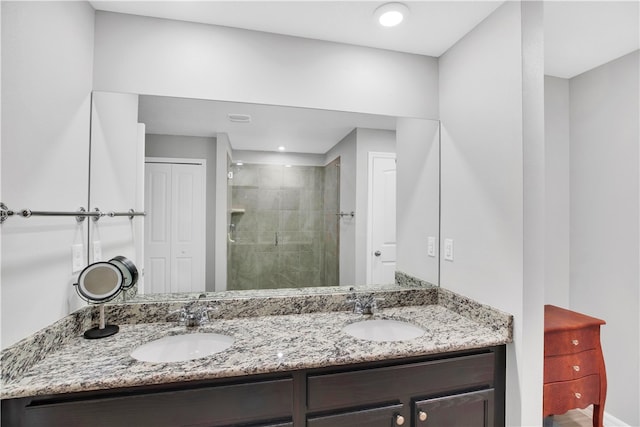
174, 228
187, 229
383, 220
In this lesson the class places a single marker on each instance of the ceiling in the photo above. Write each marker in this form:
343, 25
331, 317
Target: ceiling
299, 130
579, 36
431, 29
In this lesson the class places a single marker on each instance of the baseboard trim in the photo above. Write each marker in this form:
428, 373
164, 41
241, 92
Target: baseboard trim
608, 419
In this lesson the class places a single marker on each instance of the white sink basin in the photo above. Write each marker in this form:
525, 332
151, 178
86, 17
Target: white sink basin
178, 348
383, 330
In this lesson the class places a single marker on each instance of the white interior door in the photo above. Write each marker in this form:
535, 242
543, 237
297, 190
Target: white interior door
175, 227
382, 218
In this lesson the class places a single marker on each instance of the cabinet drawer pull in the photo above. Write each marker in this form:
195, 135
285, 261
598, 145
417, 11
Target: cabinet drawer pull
576, 368
399, 420
575, 342
422, 416
578, 395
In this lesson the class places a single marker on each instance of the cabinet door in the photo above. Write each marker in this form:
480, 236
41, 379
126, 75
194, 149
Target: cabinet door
473, 409
377, 417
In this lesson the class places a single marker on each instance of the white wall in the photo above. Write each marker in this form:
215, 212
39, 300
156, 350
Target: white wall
161, 57
47, 66
557, 136
482, 79
605, 191
367, 140
191, 147
114, 175
346, 150
418, 208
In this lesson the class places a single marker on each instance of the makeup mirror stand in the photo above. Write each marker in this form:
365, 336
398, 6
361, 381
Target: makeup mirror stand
101, 331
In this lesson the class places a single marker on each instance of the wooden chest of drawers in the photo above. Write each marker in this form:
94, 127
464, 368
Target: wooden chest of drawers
574, 372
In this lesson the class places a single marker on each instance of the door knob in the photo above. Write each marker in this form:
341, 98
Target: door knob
377, 253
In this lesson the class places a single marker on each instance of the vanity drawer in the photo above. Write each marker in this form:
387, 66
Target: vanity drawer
571, 341
559, 397
376, 417
370, 386
571, 367
260, 403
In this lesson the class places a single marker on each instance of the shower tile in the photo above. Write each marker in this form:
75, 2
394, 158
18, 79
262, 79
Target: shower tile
295, 177
268, 220
245, 198
244, 237
267, 263
268, 199
289, 221
247, 221
265, 247
309, 261
310, 220
245, 176
289, 261
270, 176
310, 278
290, 199
267, 237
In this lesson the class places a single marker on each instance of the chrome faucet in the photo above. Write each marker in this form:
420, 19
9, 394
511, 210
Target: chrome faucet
192, 315
363, 304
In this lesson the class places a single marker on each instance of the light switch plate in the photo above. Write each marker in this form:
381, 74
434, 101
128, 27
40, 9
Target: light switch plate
431, 248
448, 249
77, 258
97, 251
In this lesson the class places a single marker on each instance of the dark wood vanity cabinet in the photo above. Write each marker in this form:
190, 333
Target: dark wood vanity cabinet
465, 390
453, 389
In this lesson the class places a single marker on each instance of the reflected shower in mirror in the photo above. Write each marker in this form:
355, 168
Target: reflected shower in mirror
245, 196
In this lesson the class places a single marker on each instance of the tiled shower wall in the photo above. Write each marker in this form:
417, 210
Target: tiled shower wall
278, 228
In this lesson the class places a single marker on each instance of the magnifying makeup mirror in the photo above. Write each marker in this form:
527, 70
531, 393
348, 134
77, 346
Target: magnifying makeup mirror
101, 282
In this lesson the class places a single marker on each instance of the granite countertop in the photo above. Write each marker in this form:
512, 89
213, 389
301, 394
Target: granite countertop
262, 344
272, 333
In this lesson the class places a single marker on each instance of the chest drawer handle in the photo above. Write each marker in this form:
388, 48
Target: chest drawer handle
576, 368
578, 395
399, 420
422, 416
575, 342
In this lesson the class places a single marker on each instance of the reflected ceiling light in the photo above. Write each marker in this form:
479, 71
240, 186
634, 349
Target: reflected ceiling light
391, 14
287, 166
239, 163
239, 118
281, 148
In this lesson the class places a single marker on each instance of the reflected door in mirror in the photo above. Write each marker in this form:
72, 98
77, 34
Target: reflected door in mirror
174, 227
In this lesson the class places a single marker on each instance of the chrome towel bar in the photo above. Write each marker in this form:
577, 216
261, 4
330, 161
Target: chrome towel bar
80, 214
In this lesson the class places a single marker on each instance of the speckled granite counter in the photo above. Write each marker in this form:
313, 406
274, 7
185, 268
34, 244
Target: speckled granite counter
264, 343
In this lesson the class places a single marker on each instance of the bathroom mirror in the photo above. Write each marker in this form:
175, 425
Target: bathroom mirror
350, 199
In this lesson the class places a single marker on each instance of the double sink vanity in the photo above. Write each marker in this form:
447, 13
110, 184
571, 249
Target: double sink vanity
404, 354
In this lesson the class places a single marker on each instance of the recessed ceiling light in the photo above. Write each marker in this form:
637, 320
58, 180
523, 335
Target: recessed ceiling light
281, 148
239, 118
391, 14
287, 166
